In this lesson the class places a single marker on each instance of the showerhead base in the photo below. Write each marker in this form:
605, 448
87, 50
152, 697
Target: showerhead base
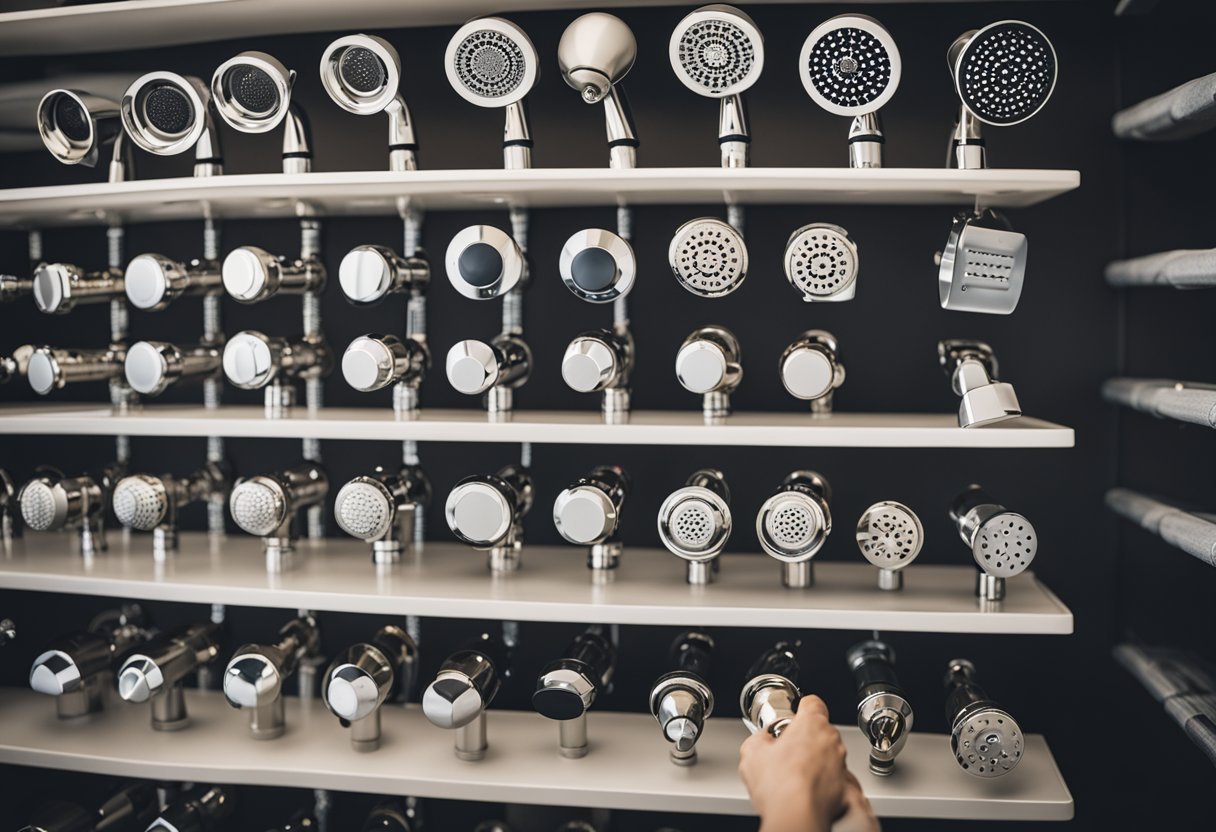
989, 589
604, 557
865, 141
280, 554
278, 400
505, 559
798, 575
890, 580
987, 405
702, 572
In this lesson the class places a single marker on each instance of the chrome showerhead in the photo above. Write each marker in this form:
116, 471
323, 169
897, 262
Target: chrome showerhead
152, 366
265, 505
986, 740
252, 91
821, 262
491, 62
141, 502
595, 52
165, 114
794, 523
381, 508
983, 266
373, 362
484, 262
75, 125
695, 523
810, 369
883, 713
597, 265
890, 536
362, 74
259, 505
1002, 542
709, 363
972, 368
717, 51
708, 257
1005, 72
769, 697
485, 511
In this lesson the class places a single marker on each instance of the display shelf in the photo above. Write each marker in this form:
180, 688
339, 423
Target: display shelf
627, 767
846, 430
381, 192
450, 580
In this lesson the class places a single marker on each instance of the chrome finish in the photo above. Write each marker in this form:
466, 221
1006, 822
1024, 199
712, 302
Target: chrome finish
890, 536
10, 518
484, 262
52, 502
153, 281
567, 687
588, 513
397, 815
708, 257
973, 370
252, 274
155, 673
151, 504
49, 369
166, 114
883, 712
821, 263
373, 362
983, 266
985, 739
502, 365
695, 523
362, 74
151, 366
486, 510
266, 506
195, 814
710, 363
811, 370
253, 360
74, 126
794, 523
255, 674
383, 509
467, 682
367, 274
682, 700
59, 288
595, 53
77, 669
252, 92
770, 695
601, 361
363, 677
14, 288
1002, 542
597, 265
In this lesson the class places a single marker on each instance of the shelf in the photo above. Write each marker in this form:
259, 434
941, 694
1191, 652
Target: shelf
852, 430
143, 24
370, 193
627, 767
450, 580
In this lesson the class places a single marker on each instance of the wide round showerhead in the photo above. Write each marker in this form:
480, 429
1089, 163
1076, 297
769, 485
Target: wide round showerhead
250, 360
792, 526
849, 65
484, 262
491, 62
1005, 72
150, 278
821, 262
987, 742
361, 73
365, 508
717, 51
480, 511
596, 51
694, 523
68, 127
597, 265
141, 502
252, 92
890, 535
1005, 544
259, 505
44, 505
708, 257
165, 113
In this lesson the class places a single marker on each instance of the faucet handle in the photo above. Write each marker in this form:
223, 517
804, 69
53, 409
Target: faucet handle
59, 287
373, 362
596, 361
153, 281
369, 273
811, 369
151, 366
49, 369
252, 274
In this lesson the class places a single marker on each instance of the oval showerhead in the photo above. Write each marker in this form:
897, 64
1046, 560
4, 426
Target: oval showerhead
165, 113
361, 73
695, 523
890, 535
1004, 544
1005, 72
259, 505
821, 262
484, 262
141, 502
717, 51
850, 65
595, 52
792, 526
708, 257
252, 92
597, 265
73, 125
491, 62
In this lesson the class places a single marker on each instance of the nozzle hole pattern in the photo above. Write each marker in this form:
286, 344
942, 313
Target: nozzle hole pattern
821, 262
716, 54
70, 118
362, 71
893, 538
991, 745
693, 525
253, 89
1007, 546
849, 67
1007, 73
490, 64
168, 110
709, 258
791, 526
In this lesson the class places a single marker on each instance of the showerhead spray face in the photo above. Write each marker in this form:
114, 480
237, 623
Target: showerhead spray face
890, 536
850, 66
708, 257
74, 126
52, 502
983, 266
1002, 542
381, 509
695, 523
794, 523
265, 506
985, 739
362, 74
718, 52
150, 504
595, 52
883, 712
166, 114
821, 262
252, 93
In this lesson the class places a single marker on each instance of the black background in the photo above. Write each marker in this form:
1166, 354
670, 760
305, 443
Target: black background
1069, 333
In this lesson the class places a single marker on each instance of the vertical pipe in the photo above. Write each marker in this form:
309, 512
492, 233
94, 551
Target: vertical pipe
415, 327
310, 246
213, 333
34, 239
513, 302
121, 396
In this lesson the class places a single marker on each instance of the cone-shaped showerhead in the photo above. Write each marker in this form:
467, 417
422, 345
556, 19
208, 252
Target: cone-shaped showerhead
596, 51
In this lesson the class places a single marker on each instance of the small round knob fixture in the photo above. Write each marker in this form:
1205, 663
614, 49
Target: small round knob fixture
53, 286
368, 363
584, 515
43, 371
250, 360
472, 367
251, 680
55, 673
701, 366
139, 679
590, 364
366, 273
479, 513
249, 273
452, 701
352, 693
484, 262
147, 367
150, 278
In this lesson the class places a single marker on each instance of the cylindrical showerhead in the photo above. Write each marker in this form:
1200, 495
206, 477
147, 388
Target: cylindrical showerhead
821, 262
695, 522
484, 262
252, 92
597, 265
151, 366
794, 523
165, 113
491, 62
595, 52
589, 511
849, 65
1002, 542
810, 368
141, 502
1005, 72
769, 697
370, 272
717, 51
890, 536
483, 510
361, 73
53, 503
986, 740
74, 125
708, 257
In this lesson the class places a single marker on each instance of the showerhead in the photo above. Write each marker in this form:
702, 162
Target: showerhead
74, 125
794, 523
972, 368
166, 113
152, 366
597, 265
850, 65
50, 503
983, 266
252, 92
484, 509
260, 506
491, 62
365, 508
1005, 72
986, 740
717, 51
695, 522
811, 370
595, 52
484, 262
890, 536
1002, 542
821, 262
361, 73
141, 502
884, 714
709, 361
708, 257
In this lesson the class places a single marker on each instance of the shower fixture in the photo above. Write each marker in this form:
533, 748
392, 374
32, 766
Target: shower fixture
130, 809
166, 114
821, 263
75, 125
985, 739
597, 265
400, 814
49, 369
196, 814
794, 523
252, 93
154, 673
1003, 73
681, 700
708, 257
850, 66
890, 536
362, 74
496, 369
373, 362
810, 369
369, 273
710, 363
153, 281
594, 54
1002, 542
695, 523
10, 513
486, 511
770, 695
252, 275
983, 266
51, 502
58, 288
883, 712
466, 684
365, 676
253, 360
973, 371
588, 513
601, 361
484, 262
254, 677
382, 509
151, 366
567, 687
151, 504
266, 506
718, 52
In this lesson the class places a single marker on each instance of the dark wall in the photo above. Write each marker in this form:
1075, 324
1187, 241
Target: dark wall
1056, 349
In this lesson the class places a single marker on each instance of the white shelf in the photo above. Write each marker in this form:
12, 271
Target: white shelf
450, 580
368, 193
627, 767
852, 430
143, 24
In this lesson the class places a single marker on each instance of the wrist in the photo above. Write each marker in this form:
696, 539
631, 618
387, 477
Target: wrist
794, 817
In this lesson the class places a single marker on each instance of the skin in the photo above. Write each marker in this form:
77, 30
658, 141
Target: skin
798, 782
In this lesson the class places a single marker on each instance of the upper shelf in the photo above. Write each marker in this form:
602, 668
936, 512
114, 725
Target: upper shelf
144, 24
781, 430
450, 580
370, 193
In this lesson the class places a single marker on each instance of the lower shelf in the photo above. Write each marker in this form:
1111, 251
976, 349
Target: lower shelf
627, 767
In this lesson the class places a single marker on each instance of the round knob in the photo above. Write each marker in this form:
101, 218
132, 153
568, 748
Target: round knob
584, 515
484, 262
250, 360
352, 693
808, 372
590, 364
472, 367
249, 274
368, 364
701, 366
563, 693
366, 273
150, 278
53, 286
452, 701
147, 367
55, 673
597, 265
139, 679
479, 513
43, 371
251, 680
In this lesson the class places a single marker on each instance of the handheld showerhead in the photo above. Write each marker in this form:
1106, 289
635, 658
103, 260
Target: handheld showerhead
381, 509
983, 266
362, 75
166, 114
597, 265
770, 694
985, 739
75, 125
794, 523
708, 257
972, 368
485, 511
695, 523
484, 262
890, 536
1002, 542
252, 93
821, 263
681, 699
850, 66
595, 52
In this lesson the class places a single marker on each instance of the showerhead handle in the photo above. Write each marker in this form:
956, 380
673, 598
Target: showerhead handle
153, 281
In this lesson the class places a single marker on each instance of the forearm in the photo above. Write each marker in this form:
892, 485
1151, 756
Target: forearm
793, 819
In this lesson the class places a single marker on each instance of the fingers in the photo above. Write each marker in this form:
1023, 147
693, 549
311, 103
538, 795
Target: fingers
858, 815
810, 705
